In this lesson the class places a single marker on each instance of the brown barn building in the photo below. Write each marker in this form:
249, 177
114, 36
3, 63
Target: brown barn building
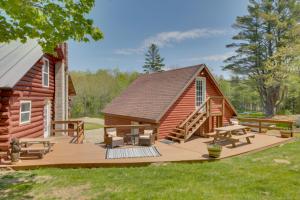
181, 102
34, 89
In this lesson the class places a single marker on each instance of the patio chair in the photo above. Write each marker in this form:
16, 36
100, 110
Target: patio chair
112, 139
147, 138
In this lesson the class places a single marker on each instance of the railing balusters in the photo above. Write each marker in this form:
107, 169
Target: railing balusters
79, 129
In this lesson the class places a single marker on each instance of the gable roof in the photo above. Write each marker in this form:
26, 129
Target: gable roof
151, 95
16, 59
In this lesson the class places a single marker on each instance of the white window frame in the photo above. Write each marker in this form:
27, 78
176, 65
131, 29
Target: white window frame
21, 112
46, 63
203, 79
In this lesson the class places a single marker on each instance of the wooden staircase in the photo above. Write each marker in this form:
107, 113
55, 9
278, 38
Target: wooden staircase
195, 121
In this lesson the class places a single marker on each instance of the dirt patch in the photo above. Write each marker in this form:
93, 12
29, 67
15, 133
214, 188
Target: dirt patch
65, 193
282, 161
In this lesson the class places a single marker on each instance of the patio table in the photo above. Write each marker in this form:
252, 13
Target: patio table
133, 138
228, 133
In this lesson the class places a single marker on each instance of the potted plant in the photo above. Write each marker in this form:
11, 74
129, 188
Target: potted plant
15, 150
285, 133
214, 150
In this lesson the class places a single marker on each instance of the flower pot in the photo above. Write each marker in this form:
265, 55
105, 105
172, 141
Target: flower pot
285, 133
214, 150
15, 157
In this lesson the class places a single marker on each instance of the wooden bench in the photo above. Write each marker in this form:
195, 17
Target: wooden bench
236, 138
41, 151
39, 146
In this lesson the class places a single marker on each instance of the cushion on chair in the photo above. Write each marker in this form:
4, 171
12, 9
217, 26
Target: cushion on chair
145, 136
148, 132
116, 138
111, 132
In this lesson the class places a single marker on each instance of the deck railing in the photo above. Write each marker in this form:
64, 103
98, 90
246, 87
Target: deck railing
74, 128
269, 124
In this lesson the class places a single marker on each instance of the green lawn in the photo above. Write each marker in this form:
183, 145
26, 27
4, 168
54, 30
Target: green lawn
270, 174
91, 126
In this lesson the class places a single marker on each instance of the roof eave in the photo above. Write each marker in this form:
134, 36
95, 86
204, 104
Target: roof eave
132, 117
201, 67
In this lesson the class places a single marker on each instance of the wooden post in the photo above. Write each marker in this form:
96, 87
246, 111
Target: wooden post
259, 126
292, 132
223, 111
77, 135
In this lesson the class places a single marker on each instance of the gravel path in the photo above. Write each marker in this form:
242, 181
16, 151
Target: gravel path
95, 135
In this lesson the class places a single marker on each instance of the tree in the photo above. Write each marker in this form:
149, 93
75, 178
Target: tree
268, 28
49, 21
153, 61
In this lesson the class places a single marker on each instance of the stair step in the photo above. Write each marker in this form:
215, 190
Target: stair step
179, 129
175, 138
176, 133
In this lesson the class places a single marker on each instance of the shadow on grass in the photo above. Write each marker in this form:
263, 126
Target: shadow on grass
14, 185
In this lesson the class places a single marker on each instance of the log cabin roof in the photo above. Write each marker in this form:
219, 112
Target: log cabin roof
151, 95
16, 59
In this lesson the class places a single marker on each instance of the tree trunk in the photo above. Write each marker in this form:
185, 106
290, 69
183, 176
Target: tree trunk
270, 109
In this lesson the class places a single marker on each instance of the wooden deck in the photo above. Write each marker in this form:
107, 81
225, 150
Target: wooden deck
65, 154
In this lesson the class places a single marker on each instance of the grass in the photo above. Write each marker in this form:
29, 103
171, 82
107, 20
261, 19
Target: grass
91, 126
271, 174
252, 115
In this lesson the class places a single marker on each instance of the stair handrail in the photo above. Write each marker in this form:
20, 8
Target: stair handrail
207, 111
193, 113
194, 121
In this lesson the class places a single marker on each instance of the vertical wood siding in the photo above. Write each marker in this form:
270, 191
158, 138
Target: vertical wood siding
28, 88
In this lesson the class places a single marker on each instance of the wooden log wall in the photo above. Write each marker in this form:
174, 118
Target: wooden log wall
28, 88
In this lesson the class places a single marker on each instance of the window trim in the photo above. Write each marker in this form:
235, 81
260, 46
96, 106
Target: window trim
203, 79
20, 115
43, 72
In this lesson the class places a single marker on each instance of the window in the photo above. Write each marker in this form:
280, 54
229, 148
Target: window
25, 112
200, 91
45, 73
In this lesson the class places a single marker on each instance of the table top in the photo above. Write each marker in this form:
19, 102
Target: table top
24, 140
231, 128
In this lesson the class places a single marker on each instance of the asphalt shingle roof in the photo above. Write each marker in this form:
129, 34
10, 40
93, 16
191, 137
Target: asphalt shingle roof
150, 95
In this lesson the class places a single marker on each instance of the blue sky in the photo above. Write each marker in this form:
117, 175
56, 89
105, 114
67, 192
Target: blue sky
188, 32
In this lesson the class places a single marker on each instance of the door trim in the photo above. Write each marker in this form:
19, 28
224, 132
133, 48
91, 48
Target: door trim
47, 131
203, 79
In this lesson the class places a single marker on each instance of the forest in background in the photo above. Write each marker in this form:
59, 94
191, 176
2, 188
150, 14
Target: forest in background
96, 89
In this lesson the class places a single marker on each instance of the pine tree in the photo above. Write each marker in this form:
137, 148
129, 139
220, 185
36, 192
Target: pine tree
269, 27
153, 61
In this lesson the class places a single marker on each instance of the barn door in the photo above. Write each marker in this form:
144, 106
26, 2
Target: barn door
200, 91
47, 118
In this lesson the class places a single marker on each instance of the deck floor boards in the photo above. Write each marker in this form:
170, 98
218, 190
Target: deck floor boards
65, 154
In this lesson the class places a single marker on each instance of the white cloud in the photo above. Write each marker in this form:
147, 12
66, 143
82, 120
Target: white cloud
168, 38
214, 57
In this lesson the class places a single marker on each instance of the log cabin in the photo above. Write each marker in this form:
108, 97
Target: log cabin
35, 88
180, 103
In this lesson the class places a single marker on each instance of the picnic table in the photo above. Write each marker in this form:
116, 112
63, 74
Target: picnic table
36, 145
232, 134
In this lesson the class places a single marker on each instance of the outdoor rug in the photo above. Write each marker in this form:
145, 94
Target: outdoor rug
165, 141
134, 152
